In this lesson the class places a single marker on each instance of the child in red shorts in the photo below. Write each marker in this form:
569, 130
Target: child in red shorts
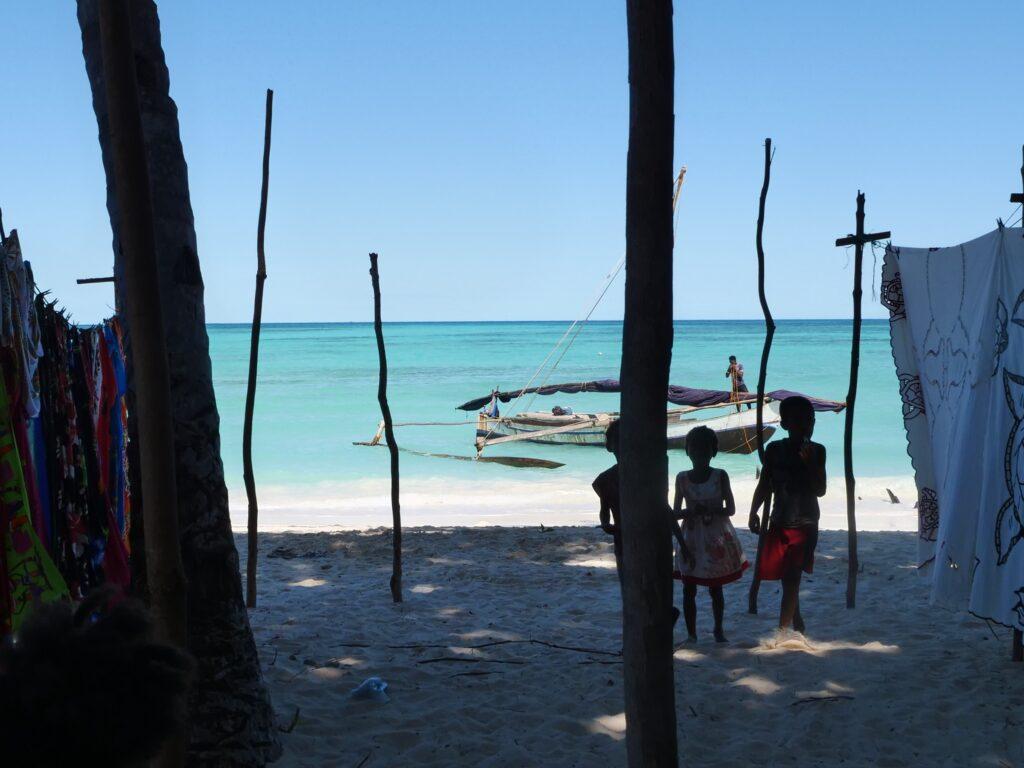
794, 473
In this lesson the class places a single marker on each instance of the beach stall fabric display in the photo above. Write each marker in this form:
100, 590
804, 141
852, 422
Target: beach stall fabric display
957, 331
65, 502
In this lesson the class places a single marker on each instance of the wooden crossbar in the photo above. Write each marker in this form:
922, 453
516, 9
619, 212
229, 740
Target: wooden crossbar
861, 239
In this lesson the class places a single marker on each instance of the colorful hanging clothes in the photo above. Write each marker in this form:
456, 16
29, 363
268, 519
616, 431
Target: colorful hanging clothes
30, 577
66, 501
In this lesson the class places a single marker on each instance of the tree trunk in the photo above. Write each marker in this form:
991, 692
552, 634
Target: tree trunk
231, 718
166, 576
149, 363
648, 672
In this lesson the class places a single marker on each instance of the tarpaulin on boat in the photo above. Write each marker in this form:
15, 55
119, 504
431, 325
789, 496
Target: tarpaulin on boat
570, 388
956, 320
676, 395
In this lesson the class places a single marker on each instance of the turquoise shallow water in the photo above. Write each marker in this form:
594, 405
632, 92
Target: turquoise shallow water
318, 386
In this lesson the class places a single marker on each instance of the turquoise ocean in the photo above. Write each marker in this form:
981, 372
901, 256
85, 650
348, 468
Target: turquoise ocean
317, 393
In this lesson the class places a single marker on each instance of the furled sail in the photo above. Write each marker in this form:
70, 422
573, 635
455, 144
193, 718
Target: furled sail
676, 395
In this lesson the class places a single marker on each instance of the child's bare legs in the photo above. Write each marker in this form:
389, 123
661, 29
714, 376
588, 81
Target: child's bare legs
617, 547
790, 616
718, 610
690, 610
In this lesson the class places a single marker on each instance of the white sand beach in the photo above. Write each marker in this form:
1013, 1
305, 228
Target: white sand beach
506, 653
539, 500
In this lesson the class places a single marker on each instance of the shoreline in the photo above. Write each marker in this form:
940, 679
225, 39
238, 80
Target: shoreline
445, 503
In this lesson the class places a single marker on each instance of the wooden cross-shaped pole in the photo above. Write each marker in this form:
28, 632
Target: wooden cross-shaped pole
1018, 197
857, 241
1017, 649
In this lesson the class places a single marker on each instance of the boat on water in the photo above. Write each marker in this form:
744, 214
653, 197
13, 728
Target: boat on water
736, 429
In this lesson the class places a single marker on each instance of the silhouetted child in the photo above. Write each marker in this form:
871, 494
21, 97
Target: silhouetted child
715, 554
89, 688
794, 473
606, 486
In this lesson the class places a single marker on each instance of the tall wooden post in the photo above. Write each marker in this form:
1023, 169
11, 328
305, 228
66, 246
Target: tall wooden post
1017, 646
254, 356
1016, 197
769, 334
165, 572
389, 436
648, 671
857, 241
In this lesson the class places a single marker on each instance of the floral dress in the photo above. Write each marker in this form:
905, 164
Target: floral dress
711, 538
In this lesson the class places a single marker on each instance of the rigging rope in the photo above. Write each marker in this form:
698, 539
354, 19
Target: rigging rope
579, 324
579, 330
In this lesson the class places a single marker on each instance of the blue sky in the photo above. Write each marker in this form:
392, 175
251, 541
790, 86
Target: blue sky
480, 148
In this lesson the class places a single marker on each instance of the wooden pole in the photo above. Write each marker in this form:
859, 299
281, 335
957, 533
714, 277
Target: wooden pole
851, 402
769, 334
389, 436
1016, 197
254, 355
93, 280
857, 241
648, 670
1017, 649
165, 572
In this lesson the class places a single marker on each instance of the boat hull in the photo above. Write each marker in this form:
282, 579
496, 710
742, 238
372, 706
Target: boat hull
737, 431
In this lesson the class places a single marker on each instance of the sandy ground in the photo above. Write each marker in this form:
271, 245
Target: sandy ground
472, 681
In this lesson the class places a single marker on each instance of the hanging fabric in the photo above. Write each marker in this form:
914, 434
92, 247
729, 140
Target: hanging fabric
957, 330
66, 501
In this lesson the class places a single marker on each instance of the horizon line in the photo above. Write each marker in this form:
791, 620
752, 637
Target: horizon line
552, 320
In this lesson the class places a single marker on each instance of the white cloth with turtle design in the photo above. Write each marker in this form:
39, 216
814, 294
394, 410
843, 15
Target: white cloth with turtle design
957, 328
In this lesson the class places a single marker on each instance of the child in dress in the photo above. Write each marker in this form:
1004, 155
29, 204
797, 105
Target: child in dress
794, 474
716, 557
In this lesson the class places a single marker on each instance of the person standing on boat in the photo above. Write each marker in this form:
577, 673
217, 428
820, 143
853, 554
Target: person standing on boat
492, 410
739, 387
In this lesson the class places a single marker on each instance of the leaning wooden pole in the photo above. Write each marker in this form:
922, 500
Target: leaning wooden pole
389, 436
648, 670
254, 355
164, 570
769, 334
